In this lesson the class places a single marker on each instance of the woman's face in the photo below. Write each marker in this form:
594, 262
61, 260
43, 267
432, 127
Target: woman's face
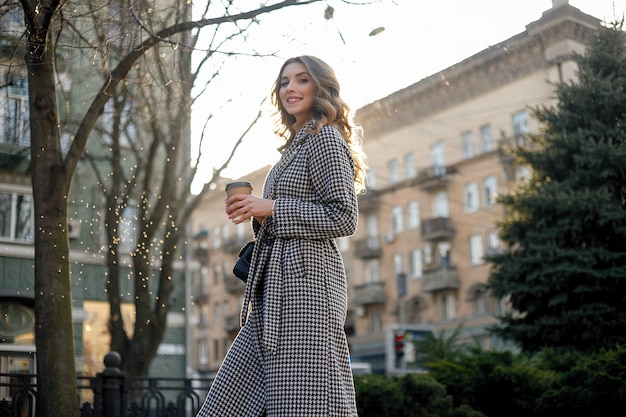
297, 92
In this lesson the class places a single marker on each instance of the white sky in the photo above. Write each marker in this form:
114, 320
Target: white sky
421, 37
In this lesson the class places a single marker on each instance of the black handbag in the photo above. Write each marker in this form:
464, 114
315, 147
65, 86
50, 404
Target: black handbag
242, 266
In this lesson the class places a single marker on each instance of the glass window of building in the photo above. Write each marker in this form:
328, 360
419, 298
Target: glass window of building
371, 178
415, 264
413, 215
448, 306
409, 165
520, 126
394, 171
437, 158
397, 223
16, 115
490, 190
440, 204
343, 243
467, 140
486, 139
471, 197
372, 271
476, 249
16, 216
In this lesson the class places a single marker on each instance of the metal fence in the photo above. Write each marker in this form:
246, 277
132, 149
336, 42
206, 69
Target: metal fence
112, 394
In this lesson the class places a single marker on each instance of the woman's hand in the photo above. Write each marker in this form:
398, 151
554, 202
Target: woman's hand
241, 207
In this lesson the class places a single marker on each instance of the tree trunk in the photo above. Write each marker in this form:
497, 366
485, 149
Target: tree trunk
54, 335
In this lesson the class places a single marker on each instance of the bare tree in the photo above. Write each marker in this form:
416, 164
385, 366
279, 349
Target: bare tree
52, 173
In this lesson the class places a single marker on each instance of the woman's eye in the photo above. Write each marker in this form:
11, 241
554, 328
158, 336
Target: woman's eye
303, 80
284, 84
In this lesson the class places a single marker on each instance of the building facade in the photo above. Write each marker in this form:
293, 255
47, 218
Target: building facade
438, 159
86, 207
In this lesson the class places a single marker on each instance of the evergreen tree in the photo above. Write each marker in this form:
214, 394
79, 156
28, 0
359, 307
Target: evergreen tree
565, 227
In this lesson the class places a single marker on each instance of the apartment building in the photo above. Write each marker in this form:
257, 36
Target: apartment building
438, 156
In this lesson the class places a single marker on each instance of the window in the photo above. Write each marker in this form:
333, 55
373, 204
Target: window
520, 126
372, 271
216, 274
415, 264
16, 216
240, 231
124, 120
203, 354
522, 174
397, 224
471, 197
413, 215
127, 230
217, 310
428, 255
398, 264
16, 117
409, 165
493, 241
468, 144
394, 173
490, 189
476, 250
371, 178
343, 243
372, 226
486, 139
215, 234
376, 323
440, 204
448, 306
436, 155
443, 253
216, 351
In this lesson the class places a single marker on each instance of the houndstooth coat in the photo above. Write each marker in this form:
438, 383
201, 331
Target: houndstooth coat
290, 358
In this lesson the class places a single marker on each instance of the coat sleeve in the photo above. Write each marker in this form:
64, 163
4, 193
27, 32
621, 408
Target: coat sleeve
331, 211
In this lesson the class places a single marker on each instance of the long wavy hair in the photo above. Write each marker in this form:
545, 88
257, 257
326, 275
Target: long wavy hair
328, 109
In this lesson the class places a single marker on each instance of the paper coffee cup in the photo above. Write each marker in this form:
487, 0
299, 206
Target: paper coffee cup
240, 187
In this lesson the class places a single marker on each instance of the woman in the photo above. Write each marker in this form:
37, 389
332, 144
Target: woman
291, 356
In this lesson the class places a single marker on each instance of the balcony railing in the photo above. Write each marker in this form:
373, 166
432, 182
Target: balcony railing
232, 323
440, 278
233, 284
437, 228
436, 176
233, 244
368, 248
369, 201
370, 293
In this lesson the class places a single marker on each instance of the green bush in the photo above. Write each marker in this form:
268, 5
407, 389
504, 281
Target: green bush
412, 395
593, 384
424, 396
491, 382
377, 396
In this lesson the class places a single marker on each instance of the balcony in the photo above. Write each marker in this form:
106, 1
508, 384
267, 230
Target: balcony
370, 201
437, 228
233, 244
370, 293
231, 323
440, 278
233, 284
368, 248
437, 176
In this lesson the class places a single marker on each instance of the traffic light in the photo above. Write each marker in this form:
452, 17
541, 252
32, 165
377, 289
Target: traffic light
399, 347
